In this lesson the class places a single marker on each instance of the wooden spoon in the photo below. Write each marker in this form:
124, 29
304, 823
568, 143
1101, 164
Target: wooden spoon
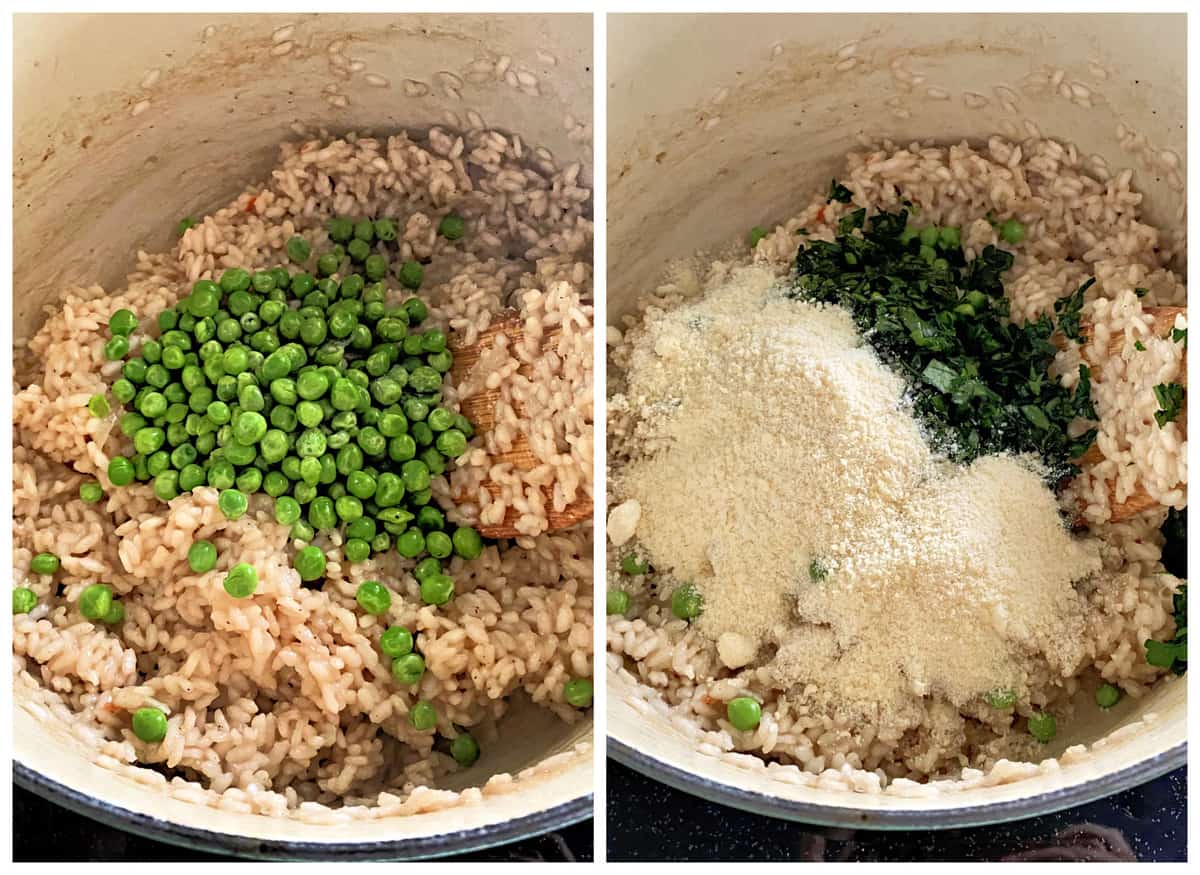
1139, 500
480, 408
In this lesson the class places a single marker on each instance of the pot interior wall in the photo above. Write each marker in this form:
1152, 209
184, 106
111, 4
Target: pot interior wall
718, 123
96, 179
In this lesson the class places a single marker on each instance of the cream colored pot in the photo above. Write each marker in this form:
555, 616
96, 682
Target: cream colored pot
112, 147
720, 123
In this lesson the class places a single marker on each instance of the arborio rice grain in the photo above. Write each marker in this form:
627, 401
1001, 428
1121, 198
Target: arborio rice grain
282, 703
1077, 227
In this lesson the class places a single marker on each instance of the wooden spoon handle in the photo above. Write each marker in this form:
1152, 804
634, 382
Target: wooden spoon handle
1139, 500
480, 409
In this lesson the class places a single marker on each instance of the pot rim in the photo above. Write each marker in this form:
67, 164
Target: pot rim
854, 818
422, 847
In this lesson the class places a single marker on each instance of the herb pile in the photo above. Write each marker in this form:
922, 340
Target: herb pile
980, 379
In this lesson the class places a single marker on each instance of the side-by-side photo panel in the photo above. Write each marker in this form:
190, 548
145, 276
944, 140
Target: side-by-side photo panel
897, 437
303, 430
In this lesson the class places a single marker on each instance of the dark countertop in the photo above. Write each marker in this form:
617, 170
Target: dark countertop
650, 821
44, 832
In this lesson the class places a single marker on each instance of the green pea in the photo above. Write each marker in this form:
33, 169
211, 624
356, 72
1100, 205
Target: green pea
95, 601
402, 447
1001, 698
321, 514
348, 508
340, 229
408, 669
578, 693
415, 475
464, 749
950, 238
98, 406
123, 390
439, 545
375, 266
309, 563
634, 566
204, 300
467, 542
149, 725
232, 503
427, 568
358, 250
166, 485
423, 716
412, 275
1107, 696
441, 361
1043, 727
686, 602
452, 443
302, 531
44, 563
373, 597
1013, 232
298, 250
287, 510
241, 581
410, 544
416, 309
249, 480
202, 557
120, 471
744, 713
356, 550
381, 543
24, 600
361, 484
452, 227
116, 348
90, 492
134, 370
190, 477
437, 589
249, 427
617, 602
327, 264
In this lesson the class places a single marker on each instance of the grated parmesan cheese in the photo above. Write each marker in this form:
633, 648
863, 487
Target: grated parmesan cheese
785, 477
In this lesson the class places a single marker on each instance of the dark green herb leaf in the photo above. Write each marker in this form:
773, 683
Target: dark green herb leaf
838, 192
981, 380
1069, 309
853, 220
1139, 346
1170, 402
1140, 292
1178, 335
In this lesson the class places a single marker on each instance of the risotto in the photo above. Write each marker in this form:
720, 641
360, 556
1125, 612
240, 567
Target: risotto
203, 635
934, 534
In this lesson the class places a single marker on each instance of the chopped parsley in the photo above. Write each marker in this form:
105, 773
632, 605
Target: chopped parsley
838, 192
1170, 402
980, 379
1141, 292
1179, 335
1139, 346
817, 570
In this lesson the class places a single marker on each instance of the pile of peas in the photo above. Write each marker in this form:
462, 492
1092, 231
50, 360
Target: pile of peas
311, 390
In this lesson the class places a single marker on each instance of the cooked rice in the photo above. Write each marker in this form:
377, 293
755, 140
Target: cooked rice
282, 703
1077, 227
